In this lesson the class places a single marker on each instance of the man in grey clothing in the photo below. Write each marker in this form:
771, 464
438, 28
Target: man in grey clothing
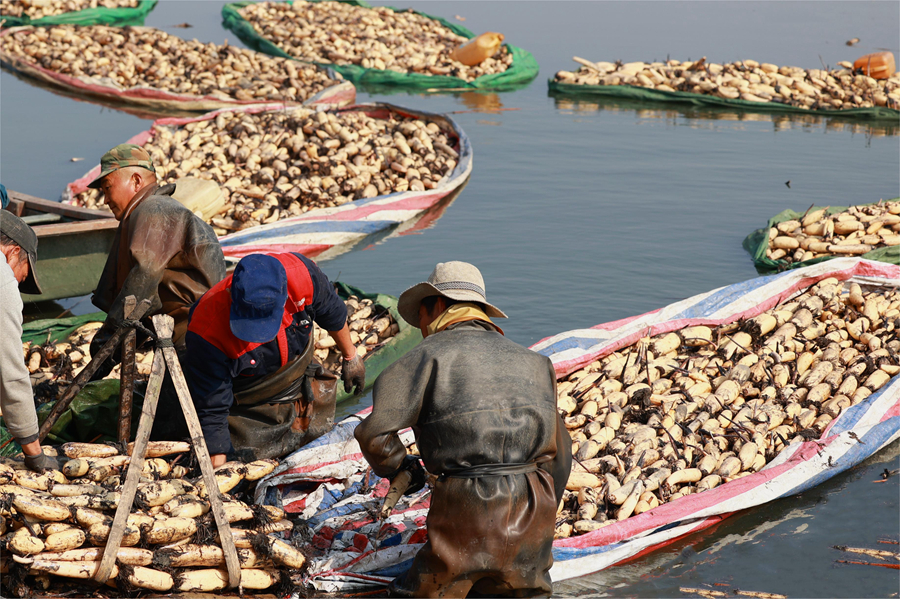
18, 244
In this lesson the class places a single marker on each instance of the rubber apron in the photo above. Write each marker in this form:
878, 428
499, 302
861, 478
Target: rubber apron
274, 415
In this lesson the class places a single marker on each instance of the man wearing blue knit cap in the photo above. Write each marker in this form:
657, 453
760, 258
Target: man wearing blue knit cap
249, 361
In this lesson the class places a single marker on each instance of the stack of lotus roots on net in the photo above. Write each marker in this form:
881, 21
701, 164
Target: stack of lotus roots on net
276, 165
371, 326
54, 365
686, 411
812, 89
55, 525
143, 57
38, 9
853, 232
373, 38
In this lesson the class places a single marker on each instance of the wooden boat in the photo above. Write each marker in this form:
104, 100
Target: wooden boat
73, 244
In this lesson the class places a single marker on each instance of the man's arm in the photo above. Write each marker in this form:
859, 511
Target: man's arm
397, 398
208, 375
16, 398
561, 464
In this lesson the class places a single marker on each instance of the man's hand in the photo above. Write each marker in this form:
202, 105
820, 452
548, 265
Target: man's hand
218, 459
412, 464
353, 373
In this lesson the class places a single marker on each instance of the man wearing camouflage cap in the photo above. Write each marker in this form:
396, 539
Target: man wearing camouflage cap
162, 251
18, 247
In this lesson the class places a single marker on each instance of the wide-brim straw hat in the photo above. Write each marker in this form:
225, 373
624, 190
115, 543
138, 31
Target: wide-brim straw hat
458, 281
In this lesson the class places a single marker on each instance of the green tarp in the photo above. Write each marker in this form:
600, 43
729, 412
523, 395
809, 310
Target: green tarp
89, 16
757, 244
655, 95
54, 330
93, 414
523, 69
405, 340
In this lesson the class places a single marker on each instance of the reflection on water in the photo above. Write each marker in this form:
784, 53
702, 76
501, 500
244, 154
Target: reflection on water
481, 101
706, 117
139, 111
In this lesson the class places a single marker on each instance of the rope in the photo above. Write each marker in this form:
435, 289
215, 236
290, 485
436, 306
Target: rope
161, 343
131, 323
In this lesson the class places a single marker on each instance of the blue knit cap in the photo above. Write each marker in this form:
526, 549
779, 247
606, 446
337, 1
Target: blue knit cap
258, 294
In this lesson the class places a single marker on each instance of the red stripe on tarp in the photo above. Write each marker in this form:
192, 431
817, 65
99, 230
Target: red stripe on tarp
417, 202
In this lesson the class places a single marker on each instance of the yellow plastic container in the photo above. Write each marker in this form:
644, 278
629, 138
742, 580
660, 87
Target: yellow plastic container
879, 65
478, 49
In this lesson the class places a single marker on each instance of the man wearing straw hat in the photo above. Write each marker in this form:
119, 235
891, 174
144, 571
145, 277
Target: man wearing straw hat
484, 413
162, 251
18, 246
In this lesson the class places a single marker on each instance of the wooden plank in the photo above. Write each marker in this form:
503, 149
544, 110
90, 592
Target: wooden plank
135, 468
163, 324
126, 386
68, 210
85, 375
86, 226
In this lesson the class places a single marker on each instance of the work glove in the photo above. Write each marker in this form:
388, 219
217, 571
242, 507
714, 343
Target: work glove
353, 373
40, 462
412, 464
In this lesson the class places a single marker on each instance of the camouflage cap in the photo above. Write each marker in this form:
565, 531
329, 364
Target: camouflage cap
121, 156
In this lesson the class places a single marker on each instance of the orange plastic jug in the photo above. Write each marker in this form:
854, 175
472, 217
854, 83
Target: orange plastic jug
478, 49
879, 65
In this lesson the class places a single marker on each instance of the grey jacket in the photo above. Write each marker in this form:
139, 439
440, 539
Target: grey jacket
472, 397
16, 398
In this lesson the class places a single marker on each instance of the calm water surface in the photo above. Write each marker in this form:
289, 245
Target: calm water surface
579, 213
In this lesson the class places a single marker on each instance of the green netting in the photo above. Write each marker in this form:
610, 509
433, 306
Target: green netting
92, 416
523, 69
54, 330
757, 244
89, 16
377, 361
655, 95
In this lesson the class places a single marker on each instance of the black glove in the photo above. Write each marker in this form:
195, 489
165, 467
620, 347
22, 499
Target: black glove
41, 462
353, 373
412, 464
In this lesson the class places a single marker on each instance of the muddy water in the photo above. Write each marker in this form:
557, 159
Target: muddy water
584, 212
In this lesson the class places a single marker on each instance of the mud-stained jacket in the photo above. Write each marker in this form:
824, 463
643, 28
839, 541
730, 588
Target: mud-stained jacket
474, 399
162, 252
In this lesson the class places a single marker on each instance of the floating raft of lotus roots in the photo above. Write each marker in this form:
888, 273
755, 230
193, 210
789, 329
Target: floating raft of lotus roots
54, 365
111, 61
38, 9
811, 89
852, 232
54, 525
686, 411
341, 33
278, 164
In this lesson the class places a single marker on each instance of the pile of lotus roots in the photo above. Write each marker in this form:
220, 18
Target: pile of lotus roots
55, 525
812, 89
38, 9
143, 57
275, 165
686, 411
853, 232
373, 38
